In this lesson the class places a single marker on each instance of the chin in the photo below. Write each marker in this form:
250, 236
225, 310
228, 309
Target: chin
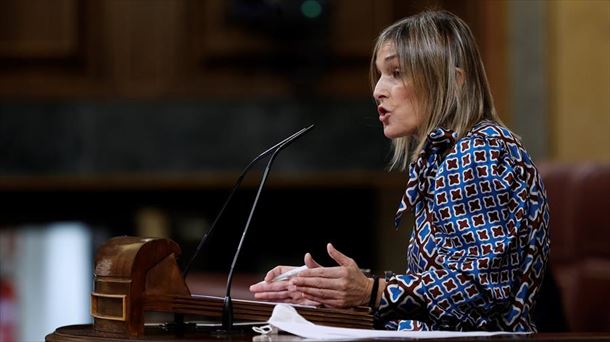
392, 133
390, 136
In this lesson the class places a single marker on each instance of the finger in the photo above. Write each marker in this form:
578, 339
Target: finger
273, 273
275, 296
322, 272
305, 301
319, 292
275, 286
317, 282
256, 287
276, 272
339, 257
299, 298
330, 302
310, 262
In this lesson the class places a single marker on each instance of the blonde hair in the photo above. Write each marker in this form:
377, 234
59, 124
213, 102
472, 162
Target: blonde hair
438, 54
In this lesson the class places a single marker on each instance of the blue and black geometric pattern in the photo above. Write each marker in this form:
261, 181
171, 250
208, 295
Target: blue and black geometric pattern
478, 251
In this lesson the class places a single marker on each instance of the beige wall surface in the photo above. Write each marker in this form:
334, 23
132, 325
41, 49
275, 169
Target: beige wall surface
579, 75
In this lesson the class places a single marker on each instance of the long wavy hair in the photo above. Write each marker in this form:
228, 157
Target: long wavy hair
438, 54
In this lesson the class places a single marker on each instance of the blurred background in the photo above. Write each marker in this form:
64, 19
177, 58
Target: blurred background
134, 117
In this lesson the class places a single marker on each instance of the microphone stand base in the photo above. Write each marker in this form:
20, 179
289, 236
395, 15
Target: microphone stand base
227, 314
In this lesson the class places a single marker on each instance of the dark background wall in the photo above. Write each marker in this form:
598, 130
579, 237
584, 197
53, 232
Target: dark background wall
83, 138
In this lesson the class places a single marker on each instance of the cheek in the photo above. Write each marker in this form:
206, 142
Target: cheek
406, 93
407, 98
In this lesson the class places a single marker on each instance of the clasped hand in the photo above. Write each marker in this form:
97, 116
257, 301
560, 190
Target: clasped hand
339, 286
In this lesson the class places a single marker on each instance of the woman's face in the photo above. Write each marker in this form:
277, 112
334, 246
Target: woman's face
397, 105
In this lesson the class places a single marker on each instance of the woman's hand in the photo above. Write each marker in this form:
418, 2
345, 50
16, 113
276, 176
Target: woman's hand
281, 291
341, 286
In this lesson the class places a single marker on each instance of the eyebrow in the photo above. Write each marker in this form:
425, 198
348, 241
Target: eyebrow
392, 56
386, 59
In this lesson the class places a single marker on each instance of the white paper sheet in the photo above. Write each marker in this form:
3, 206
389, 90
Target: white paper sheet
286, 318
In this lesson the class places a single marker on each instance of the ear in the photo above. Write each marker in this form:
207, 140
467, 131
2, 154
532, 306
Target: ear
459, 76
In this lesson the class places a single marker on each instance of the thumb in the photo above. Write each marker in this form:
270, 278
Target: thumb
340, 258
310, 262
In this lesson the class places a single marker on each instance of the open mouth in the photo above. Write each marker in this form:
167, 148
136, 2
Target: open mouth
383, 113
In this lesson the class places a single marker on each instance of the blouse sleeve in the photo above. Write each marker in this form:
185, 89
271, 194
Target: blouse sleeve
486, 256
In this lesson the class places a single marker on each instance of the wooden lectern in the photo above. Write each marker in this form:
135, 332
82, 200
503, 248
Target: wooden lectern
136, 275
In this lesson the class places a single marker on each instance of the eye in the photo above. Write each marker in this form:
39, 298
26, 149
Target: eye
396, 73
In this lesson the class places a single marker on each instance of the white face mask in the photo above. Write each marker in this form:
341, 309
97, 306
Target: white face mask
265, 330
282, 313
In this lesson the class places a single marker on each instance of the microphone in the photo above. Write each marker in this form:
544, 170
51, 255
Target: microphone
235, 187
227, 310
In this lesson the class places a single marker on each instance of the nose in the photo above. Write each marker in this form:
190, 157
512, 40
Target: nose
380, 91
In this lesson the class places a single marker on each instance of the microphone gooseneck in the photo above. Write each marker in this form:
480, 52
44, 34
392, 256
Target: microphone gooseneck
227, 313
187, 268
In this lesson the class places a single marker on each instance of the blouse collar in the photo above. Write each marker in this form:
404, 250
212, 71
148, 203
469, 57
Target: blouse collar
439, 140
418, 185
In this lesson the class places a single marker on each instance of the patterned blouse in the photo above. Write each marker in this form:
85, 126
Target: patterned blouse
478, 251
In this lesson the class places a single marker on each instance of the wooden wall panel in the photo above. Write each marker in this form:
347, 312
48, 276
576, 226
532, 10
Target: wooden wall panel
46, 49
191, 48
143, 46
39, 29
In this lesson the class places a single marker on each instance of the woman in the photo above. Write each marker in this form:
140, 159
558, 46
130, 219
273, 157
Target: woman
480, 242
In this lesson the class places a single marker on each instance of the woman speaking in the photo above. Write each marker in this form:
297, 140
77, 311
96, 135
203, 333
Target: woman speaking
478, 251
